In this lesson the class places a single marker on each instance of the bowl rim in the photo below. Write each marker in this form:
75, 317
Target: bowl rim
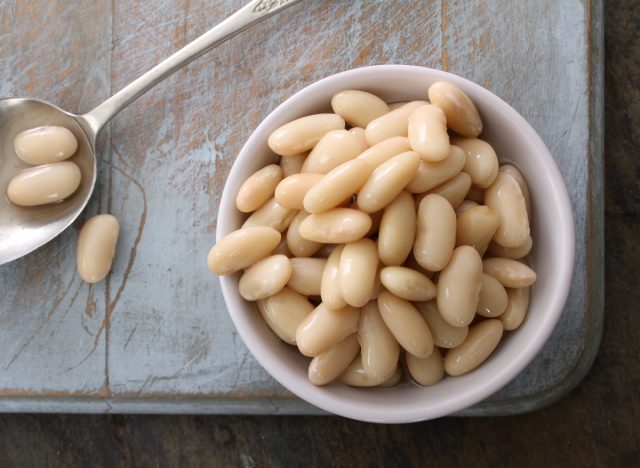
413, 413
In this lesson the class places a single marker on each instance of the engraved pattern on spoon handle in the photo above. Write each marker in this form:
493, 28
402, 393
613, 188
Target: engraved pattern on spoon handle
251, 13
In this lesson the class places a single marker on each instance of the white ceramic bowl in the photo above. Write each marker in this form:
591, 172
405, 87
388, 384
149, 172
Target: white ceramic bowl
552, 256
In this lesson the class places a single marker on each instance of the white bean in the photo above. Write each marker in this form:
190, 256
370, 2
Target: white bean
325, 327
407, 284
511, 273
96, 247
397, 230
406, 324
43, 185
428, 133
387, 181
335, 226
241, 249
483, 338
506, 199
335, 148
265, 278
462, 115
302, 134
258, 188
326, 367
358, 268
306, 275
44, 145
283, 312
391, 124
444, 334
426, 371
459, 287
358, 108
435, 233
378, 348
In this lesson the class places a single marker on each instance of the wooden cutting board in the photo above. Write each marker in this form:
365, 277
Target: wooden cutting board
155, 336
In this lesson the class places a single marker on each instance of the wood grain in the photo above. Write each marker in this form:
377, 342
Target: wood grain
155, 336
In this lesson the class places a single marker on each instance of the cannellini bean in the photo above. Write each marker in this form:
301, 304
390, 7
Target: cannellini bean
44, 145
465, 205
511, 273
335, 226
406, 324
241, 249
459, 287
391, 124
428, 133
444, 335
96, 247
42, 185
462, 115
337, 185
481, 162
358, 108
426, 371
292, 164
265, 278
387, 181
454, 190
407, 284
359, 132
325, 327
355, 375
476, 226
326, 367
298, 245
517, 307
493, 297
378, 348
330, 283
385, 150
333, 149
306, 275
514, 253
482, 340
397, 230
516, 174
284, 312
258, 188
435, 233
271, 214
506, 199
302, 134
431, 174
291, 191
358, 268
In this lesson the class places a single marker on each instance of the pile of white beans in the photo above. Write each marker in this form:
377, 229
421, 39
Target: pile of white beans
52, 180
365, 242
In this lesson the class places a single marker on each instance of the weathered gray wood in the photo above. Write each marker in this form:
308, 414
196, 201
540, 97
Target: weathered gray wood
155, 337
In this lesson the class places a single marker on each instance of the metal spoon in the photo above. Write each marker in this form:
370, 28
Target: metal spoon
23, 230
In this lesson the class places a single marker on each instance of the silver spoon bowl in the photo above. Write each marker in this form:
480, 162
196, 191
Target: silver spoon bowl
24, 229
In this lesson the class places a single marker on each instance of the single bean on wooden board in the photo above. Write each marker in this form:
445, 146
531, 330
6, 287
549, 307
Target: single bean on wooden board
386, 239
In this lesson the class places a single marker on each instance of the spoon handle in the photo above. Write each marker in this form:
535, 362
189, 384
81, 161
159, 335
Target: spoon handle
252, 12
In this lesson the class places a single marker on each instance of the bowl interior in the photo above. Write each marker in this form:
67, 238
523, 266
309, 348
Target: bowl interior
552, 255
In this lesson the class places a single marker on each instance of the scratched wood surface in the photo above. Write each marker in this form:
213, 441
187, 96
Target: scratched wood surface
155, 336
